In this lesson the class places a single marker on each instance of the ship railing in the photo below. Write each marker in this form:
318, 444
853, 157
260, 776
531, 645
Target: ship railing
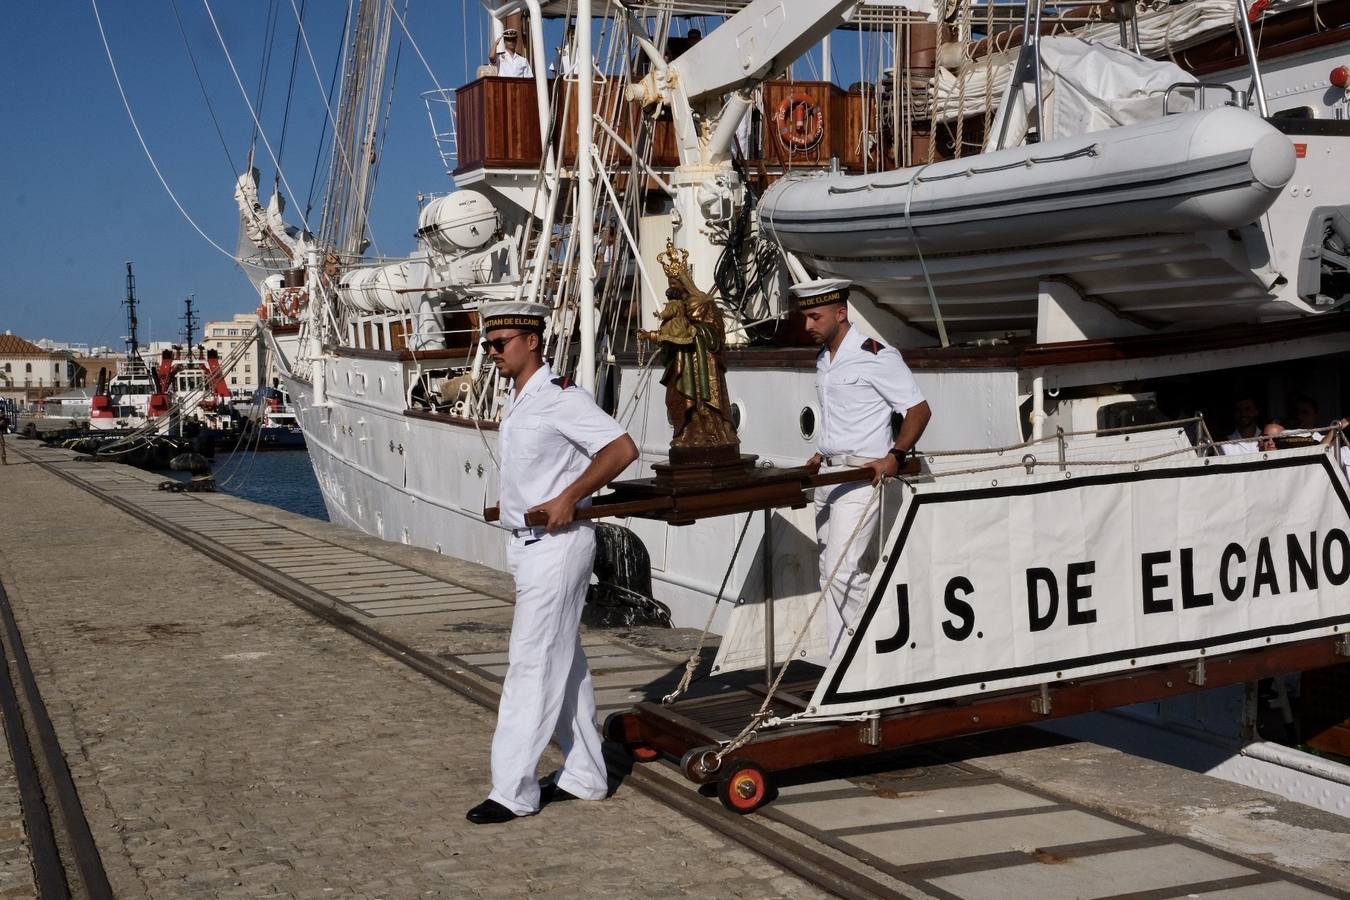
1022, 456
441, 113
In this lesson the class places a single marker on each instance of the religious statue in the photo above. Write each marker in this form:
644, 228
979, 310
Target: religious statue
692, 335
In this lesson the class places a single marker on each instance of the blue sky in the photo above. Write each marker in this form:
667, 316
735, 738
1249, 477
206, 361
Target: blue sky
80, 198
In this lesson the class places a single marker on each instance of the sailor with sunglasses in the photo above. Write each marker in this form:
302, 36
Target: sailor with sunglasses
556, 448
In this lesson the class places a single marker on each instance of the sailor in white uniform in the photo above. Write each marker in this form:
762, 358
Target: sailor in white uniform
859, 383
510, 64
556, 448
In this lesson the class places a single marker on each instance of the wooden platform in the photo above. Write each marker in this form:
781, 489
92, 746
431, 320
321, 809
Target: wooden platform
692, 729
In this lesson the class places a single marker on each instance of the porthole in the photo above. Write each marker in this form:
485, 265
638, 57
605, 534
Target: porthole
737, 414
807, 423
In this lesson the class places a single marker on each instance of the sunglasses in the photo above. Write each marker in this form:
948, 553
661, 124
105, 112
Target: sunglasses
499, 344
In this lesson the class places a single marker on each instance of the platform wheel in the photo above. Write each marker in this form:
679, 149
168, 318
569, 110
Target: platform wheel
612, 730
744, 788
700, 765
644, 752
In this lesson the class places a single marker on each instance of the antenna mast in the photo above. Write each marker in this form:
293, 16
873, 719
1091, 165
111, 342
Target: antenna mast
133, 343
189, 324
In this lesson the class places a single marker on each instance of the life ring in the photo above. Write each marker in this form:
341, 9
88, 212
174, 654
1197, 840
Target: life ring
262, 309
800, 121
289, 303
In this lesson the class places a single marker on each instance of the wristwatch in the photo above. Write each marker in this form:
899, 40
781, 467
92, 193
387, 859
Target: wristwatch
899, 456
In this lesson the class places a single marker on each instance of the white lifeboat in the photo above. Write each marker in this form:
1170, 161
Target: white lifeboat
1105, 208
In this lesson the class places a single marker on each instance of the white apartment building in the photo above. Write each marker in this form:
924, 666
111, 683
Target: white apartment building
254, 369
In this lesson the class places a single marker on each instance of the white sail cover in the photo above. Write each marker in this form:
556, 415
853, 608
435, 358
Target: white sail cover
1090, 87
1023, 581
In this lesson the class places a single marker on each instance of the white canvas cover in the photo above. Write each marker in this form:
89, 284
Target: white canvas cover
1090, 87
988, 587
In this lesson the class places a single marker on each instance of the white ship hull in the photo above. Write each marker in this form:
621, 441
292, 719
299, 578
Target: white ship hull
424, 480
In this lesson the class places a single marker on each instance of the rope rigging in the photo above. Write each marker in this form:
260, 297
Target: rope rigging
251, 110
135, 126
290, 82
210, 108
264, 66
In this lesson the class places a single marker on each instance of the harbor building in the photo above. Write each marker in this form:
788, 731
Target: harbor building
28, 374
253, 369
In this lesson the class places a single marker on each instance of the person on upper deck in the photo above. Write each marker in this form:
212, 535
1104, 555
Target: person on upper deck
504, 55
1246, 435
566, 64
1306, 416
1270, 435
860, 383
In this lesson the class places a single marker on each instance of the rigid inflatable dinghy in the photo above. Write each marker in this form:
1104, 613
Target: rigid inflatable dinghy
1170, 194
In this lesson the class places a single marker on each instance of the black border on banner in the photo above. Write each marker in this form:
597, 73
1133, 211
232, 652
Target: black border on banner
833, 695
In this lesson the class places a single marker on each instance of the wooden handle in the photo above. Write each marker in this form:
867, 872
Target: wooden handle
844, 476
600, 510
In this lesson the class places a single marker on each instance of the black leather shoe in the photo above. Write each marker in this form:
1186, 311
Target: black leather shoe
549, 792
490, 812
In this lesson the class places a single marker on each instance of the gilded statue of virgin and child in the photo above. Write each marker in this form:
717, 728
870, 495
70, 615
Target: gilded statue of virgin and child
693, 336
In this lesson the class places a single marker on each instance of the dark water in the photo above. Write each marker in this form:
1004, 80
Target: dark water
282, 478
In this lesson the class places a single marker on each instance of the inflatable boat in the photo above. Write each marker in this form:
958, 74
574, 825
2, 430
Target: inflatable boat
1164, 202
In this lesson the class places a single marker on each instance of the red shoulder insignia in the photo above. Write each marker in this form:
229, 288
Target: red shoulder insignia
872, 346
563, 382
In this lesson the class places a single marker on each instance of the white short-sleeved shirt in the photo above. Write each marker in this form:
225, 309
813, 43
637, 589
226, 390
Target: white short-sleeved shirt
513, 65
547, 439
858, 390
1243, 445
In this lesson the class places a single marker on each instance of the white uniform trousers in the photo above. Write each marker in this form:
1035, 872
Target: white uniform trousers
839, 508
548, 690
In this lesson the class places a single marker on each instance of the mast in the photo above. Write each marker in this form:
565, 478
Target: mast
133, 343
584, 220
189, 324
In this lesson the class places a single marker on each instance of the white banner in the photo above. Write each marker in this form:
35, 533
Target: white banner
985, 588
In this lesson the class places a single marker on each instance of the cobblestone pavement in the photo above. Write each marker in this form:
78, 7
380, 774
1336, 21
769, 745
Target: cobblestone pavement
226, 744
16, 861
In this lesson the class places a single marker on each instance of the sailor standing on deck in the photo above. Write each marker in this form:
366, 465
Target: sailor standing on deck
859, 382
509, 63
557, 448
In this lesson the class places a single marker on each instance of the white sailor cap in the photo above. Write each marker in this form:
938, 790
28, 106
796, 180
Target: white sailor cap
510, 32
513, 314
819, 292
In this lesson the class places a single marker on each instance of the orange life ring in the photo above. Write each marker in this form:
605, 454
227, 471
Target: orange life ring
262, 309
800, 121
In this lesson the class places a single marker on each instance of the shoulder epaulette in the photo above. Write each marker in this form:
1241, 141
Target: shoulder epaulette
873, 346
563, 382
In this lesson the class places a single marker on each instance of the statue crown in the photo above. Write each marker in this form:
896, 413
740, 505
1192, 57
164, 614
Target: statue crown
672, 260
